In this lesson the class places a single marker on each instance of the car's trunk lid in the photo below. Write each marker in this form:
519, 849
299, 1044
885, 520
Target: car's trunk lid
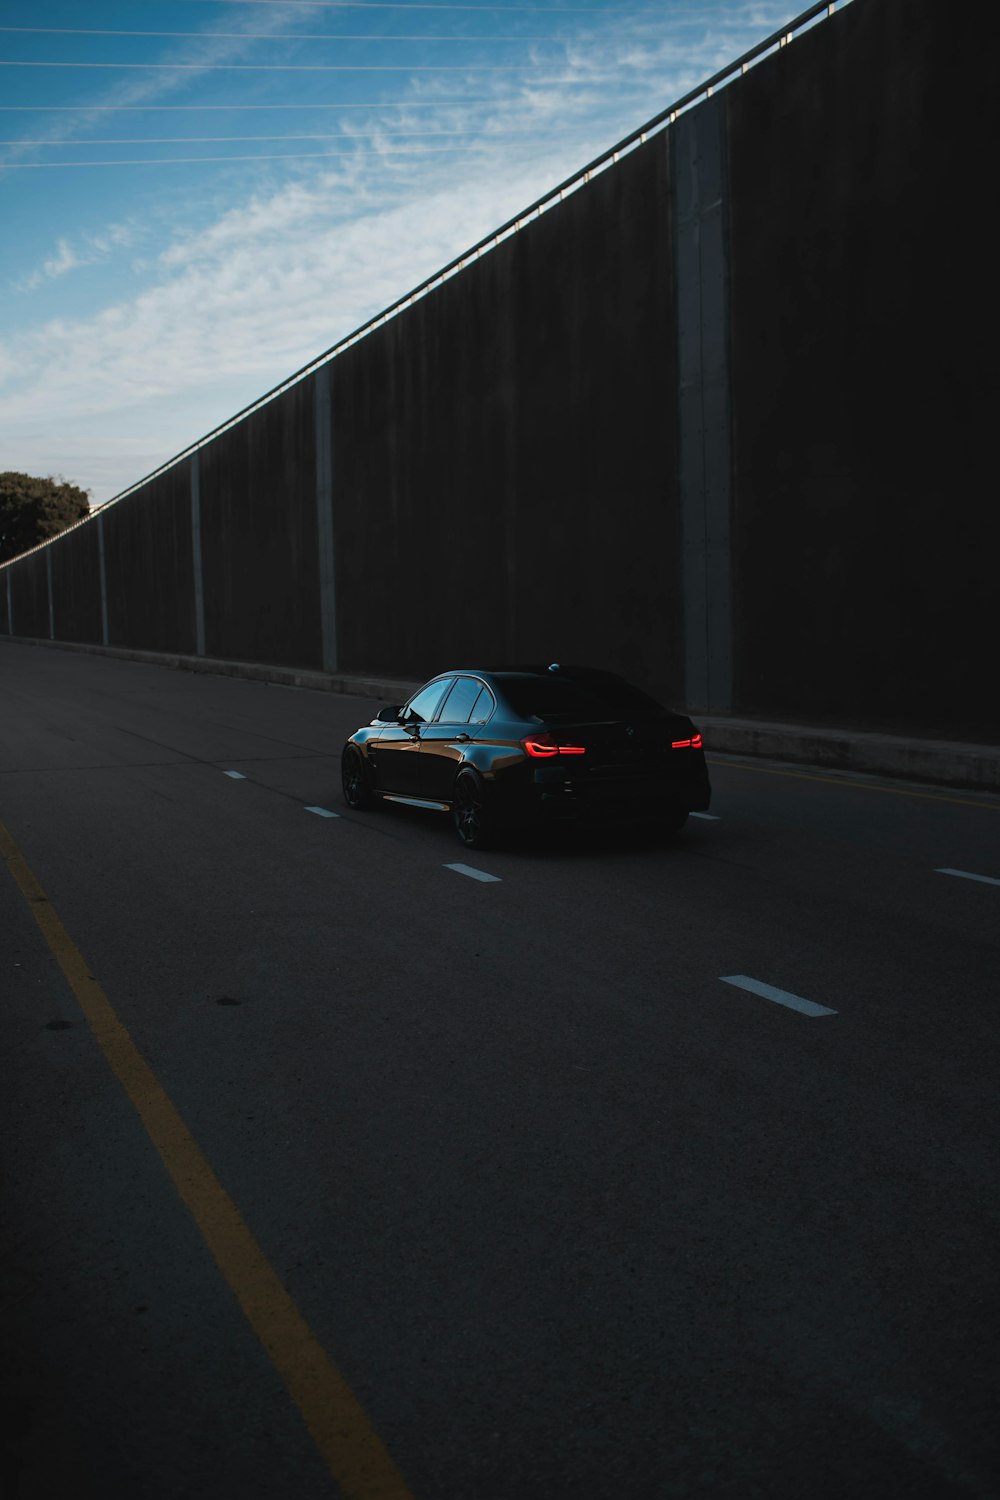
620, 746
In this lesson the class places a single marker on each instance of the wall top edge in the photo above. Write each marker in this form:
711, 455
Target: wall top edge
638, 137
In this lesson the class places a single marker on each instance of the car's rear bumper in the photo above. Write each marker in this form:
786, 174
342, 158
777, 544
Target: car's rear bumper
626, 797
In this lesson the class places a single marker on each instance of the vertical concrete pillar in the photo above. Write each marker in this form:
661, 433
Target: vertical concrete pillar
698, 169
199, 591
324, 519
104, 581
48, 579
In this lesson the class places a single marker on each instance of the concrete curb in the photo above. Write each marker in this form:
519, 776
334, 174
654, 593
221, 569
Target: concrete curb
935, 762
938, 762
300, 677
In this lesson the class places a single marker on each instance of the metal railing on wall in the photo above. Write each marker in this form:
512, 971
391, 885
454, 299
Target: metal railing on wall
554, 196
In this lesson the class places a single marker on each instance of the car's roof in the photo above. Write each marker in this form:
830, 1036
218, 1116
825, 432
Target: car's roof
512, 684
529, 669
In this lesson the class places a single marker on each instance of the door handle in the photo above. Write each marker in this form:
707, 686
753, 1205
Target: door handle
463, 737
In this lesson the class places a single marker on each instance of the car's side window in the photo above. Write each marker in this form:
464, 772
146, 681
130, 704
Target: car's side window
483, 707
460, 701
423, 705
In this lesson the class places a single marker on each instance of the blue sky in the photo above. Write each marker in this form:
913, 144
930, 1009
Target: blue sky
200, 196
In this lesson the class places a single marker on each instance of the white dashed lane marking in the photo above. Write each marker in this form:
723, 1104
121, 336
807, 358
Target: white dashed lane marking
322, 812
968, 875
236, 775
472, 874
780, 997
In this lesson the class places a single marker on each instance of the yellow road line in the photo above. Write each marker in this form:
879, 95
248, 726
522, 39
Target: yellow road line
339, 1427
864, 786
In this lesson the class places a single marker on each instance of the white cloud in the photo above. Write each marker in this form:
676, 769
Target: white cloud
65, 260
138, 90
88, 251
56, 265
263, 290
230, 308
234, 308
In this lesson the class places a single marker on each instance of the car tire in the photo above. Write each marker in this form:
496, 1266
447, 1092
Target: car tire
469, 811
670, 823
354, 781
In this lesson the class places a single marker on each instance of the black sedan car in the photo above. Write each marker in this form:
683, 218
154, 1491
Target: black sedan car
508, 748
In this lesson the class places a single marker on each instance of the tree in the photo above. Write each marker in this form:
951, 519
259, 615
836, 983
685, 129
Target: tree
32, 510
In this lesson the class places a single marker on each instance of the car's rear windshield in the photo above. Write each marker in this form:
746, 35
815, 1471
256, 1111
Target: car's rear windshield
560, 698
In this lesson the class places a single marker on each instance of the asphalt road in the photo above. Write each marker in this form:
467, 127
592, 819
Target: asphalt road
559, 1211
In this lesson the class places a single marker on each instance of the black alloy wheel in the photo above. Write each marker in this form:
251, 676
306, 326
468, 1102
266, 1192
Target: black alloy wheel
667, 824
472, 823
352, 777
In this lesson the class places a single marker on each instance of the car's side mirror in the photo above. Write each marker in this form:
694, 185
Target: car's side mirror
388, 716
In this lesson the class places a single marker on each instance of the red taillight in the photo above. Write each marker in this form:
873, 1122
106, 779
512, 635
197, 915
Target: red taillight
543, 746
692, 744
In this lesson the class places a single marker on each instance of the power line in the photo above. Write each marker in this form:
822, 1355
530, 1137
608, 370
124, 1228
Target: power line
175, 140
577, 10
165, 161
270, 36
442, 103
295, 67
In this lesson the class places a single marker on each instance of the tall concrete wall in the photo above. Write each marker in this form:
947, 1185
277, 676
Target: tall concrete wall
863, 377
504, 451
148, 565
260, 575
28, 597
716, 421
75, 563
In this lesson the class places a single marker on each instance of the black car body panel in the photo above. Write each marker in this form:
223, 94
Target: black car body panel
536, 743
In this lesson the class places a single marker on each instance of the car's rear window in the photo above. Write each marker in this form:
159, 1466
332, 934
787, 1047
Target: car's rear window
560, 698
